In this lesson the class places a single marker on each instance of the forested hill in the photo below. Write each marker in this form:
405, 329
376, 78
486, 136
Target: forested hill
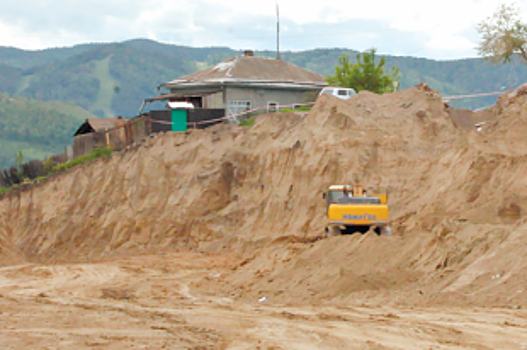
27, 59
107, 80
113, 79
37, 128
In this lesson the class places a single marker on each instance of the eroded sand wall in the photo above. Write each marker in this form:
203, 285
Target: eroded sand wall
458, 201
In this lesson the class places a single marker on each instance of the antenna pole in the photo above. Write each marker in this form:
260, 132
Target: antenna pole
277, 31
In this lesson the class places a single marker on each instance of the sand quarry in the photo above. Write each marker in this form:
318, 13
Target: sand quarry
213, 239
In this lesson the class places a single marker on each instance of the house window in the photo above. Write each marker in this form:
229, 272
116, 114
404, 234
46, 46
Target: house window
238, 106
273, 106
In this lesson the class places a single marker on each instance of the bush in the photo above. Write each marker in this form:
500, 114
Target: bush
39, 170
95, 154
48, 165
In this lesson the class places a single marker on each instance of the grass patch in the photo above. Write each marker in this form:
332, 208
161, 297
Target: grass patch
95, 154
3, 190
248, 122
303, 108
298, 109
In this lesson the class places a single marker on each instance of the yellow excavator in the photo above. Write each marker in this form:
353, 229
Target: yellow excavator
350, 209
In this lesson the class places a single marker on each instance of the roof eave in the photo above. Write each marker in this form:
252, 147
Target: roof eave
242, 82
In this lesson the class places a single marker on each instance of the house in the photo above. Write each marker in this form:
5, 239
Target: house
244, 83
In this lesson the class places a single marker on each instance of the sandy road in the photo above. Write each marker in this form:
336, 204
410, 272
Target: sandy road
156, 302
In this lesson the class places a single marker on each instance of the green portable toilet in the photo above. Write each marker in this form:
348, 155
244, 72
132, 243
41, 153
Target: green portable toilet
180, 115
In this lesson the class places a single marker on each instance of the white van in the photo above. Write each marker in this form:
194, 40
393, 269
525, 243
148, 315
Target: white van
343, 93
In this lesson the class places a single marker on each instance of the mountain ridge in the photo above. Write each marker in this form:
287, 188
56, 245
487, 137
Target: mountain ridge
143, 64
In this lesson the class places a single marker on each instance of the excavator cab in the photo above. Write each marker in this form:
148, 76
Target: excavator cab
351, 209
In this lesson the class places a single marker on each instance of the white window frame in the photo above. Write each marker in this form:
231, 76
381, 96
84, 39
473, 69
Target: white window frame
275, 106
238, 106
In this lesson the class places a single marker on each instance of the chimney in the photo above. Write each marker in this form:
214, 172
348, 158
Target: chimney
248, 53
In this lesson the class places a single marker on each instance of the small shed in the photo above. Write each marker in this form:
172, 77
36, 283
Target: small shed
179, 115
117, 133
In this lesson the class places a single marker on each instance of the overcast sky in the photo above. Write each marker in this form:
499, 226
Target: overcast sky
441, 29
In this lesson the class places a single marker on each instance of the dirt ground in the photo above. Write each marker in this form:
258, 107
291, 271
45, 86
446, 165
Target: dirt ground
213, 239
152, 302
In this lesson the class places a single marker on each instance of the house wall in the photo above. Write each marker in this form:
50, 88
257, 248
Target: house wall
260, 97
213, 101
212, 96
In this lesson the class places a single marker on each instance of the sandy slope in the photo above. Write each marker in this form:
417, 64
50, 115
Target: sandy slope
243, 209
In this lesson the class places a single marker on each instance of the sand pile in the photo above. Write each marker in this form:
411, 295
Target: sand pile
457, 198
460, 221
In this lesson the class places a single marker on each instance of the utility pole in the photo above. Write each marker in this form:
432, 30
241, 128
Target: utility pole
277, 31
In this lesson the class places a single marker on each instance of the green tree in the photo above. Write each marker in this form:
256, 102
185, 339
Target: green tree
19, 162
19, 159
502, 35
366, 74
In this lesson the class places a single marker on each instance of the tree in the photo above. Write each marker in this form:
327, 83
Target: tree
19, 159
19, 162
502, 35
366, 74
